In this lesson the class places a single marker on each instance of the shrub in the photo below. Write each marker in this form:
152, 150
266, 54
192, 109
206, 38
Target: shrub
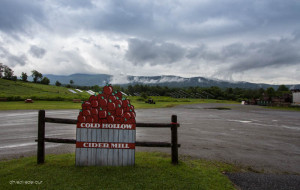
34, 97
14, 98
57, 83
144, 95
45, 80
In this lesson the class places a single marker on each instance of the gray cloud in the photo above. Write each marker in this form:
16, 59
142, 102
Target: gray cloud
239, 57
117, 47
202, 52
17, 60
228, 53
78, 4
142, 52
234, 36
234, 50
191, 20
86, 40
194, 19
11, 59
37, 52
71, 60
168, 20
123, 16
17, 15
273, 53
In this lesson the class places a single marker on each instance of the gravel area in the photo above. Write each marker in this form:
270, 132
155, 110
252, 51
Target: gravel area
256, 181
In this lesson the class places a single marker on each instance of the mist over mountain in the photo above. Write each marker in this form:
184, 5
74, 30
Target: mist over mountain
164, 80
81, 79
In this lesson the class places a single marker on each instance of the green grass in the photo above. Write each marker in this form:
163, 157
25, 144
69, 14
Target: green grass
152, 171
18, 90
46, 96
39, 105
161, 102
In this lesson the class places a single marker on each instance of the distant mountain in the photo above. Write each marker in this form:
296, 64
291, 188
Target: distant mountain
81, 79
164, 80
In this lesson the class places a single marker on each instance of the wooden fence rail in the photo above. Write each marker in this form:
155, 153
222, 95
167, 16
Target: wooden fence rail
42, 139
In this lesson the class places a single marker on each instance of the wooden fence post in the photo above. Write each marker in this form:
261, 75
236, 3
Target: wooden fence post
41, 138
174, 140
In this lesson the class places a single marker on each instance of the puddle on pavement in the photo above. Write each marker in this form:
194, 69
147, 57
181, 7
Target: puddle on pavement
219, 108
216, 108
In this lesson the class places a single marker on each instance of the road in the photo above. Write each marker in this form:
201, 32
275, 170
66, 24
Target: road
250, 136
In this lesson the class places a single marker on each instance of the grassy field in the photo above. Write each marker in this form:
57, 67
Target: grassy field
18, 90
39, 105
152, 171
161, 102
46, 96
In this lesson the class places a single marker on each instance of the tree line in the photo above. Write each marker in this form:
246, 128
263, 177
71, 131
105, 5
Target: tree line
213, 92
37, 77
7, 73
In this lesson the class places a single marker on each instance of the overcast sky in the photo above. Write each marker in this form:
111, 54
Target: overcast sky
239, 40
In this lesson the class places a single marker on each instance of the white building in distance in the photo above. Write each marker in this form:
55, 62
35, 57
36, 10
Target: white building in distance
296, 96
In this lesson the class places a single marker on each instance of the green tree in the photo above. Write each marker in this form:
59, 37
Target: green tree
8, 73
71, 82
14, 78
24, 77
36, 76
282, 88
228, 93
270, 92
261, 91
96, 88
57, 83
45, 81
144, 95
116, 87
1, 70
216, 91
130, 90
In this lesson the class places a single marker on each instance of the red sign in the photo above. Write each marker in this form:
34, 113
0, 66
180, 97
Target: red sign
105, 133
105, 145
106, 126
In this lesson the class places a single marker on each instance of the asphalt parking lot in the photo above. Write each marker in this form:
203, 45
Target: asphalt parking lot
263, 139
251, 136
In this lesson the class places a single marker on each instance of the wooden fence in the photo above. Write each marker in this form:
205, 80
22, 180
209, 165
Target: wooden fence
42, 139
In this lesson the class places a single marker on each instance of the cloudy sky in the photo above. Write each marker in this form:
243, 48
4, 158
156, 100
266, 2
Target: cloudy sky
239, 40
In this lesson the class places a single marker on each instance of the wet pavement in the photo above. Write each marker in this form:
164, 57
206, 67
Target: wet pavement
251, 136
255, 181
